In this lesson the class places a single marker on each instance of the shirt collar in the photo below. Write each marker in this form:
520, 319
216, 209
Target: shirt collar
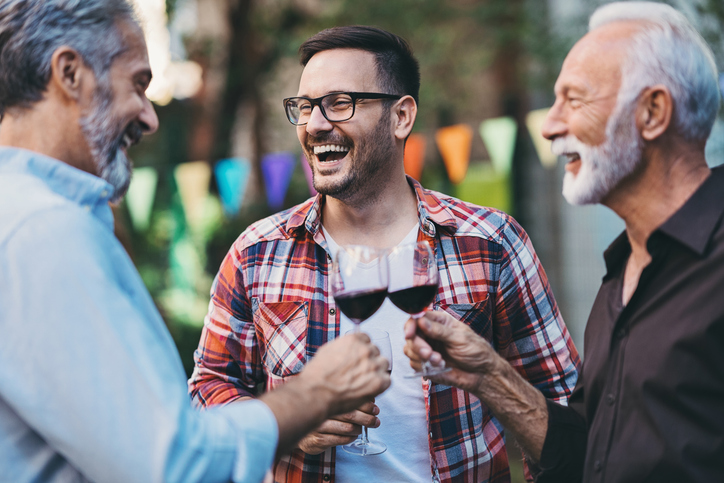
693, 225
84, 189
431, 212
695, 222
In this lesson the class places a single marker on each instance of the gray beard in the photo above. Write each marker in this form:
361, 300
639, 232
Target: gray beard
104, 138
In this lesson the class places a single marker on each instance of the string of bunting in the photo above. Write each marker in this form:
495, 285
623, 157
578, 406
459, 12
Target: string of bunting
486, 184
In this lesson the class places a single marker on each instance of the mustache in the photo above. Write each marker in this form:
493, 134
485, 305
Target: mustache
568, 144
328, 138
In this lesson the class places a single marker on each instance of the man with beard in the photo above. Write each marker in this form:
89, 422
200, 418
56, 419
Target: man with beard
91, 384
271, 305
635, 102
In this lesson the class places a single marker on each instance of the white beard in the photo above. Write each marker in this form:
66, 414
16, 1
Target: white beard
603, 167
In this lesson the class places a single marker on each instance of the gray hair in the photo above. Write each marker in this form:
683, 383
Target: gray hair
668, 50
31, 30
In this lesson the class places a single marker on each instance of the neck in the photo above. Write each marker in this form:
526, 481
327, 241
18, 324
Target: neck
381, 221
48, 130
665, 183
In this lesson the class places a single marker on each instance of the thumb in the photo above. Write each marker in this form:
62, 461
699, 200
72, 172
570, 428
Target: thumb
436, 326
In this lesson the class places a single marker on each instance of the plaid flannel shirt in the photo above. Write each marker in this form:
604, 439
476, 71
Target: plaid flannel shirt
271, 308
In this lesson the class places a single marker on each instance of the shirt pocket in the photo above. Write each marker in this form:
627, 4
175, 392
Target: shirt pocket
477, 315
282, 329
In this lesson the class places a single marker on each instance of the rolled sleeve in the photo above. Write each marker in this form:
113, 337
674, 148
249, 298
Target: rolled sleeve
257, 437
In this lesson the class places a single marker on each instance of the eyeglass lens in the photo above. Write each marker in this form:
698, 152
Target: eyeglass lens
335, 107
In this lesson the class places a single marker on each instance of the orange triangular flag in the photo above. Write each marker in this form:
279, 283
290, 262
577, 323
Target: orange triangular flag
415, 155
454, 145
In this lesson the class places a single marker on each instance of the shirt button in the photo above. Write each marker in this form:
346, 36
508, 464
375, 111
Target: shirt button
86, 207
610, 399
104, 193
332, 311
597, 466
621, 333
326, 478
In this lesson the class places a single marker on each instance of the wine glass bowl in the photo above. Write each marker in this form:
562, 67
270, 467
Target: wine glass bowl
413, 277
358, 281
413, 285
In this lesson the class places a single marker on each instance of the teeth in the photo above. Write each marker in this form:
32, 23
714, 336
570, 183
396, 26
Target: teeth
330, 148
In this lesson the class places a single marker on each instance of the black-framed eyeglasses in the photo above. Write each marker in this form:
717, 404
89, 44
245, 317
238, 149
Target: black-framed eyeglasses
335, 107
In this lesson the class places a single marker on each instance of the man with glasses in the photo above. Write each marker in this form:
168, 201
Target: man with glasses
271, 305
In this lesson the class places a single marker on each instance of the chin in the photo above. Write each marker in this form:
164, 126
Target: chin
117, 172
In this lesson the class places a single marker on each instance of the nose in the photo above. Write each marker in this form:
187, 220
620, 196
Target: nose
554, 124
317, 122
148, 118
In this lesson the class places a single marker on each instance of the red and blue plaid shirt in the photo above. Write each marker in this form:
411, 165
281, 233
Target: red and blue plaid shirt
271, 309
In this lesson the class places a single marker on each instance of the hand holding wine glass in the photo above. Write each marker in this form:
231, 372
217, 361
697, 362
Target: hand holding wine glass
358, 283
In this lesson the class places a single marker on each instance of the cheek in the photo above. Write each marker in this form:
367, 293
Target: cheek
590, 127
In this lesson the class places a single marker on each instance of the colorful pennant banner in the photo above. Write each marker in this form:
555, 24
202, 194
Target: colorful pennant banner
140, 196
277, 169
232, 177
499, 137
192, 180
415, 155
534, 122
454, 144
308, 174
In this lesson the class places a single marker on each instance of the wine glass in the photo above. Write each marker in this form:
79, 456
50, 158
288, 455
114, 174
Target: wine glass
359, 282
363, 446
413, 283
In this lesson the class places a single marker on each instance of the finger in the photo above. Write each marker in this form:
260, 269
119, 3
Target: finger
418, 348
339, 428
437, 325
370, 408
410, 328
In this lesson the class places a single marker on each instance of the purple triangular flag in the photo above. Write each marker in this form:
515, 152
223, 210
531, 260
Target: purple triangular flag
277, 169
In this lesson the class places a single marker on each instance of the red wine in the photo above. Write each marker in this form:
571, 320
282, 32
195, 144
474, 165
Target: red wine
360, 306
414, 300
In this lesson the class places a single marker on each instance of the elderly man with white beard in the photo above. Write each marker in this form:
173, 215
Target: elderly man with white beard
635, 103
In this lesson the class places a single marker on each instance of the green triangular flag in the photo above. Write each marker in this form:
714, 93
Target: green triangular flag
139, 198
499, 137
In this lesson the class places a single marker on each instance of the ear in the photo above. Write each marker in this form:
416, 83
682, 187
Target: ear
405, 111
67, 72
654, 112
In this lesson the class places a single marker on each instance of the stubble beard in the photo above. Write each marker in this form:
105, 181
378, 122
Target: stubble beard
104, 134
603, 167
368, 162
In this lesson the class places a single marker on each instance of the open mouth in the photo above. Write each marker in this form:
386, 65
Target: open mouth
571, 157
329, 153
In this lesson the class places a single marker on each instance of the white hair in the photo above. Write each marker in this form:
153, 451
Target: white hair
668, 50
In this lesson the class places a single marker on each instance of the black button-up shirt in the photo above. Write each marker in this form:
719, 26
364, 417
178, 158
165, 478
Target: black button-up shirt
649, 403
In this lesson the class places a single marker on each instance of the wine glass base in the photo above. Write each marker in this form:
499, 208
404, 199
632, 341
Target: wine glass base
434, 371
360, 448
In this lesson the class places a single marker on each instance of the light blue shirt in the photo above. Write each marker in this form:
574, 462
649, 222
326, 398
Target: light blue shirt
91, 384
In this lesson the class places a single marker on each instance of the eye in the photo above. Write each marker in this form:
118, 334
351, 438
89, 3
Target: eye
575, 102
304, 107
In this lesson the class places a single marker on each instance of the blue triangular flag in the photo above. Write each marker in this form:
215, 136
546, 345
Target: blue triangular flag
232, 176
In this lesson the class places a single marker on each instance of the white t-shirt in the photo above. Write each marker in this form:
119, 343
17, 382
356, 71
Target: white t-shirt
402, 414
